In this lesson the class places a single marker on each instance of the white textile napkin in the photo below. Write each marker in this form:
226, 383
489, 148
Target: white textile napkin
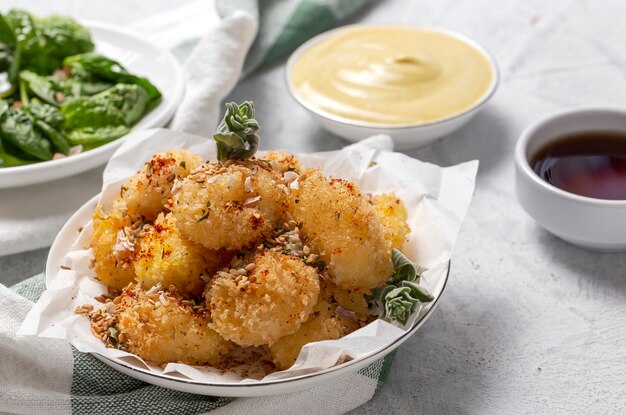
39, 375
31, 216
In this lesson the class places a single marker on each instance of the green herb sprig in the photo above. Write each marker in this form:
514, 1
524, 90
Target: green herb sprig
402, 295
236, 136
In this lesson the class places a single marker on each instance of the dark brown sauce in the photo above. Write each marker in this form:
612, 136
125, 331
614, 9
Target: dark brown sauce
591, 164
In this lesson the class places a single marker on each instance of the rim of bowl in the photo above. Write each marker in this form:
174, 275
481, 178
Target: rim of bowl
295, 55
111, 145
340, 368
523, 163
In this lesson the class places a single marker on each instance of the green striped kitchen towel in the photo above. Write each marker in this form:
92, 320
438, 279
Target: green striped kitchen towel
221, 41
285, 24
49, 376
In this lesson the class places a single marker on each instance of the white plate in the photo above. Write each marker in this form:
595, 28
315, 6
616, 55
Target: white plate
139, 57
67, 239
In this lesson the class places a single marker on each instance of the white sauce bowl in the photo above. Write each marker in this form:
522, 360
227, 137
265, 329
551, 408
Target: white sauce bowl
596, 224
405, 137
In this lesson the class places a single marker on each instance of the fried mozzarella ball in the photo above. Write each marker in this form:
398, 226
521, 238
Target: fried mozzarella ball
282, 161
347, 299
165, 257
229, 206
161, 327
271, 301
324, 324
113, 248
146, 192
393, 216
341, 225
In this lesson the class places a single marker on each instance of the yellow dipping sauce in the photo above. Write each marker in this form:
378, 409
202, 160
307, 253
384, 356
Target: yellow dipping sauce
391, 75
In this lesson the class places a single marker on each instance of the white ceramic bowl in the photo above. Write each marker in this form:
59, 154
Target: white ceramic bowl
595, 224
138, 56
407, 136
69, 238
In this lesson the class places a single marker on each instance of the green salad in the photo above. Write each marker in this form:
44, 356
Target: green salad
58, 97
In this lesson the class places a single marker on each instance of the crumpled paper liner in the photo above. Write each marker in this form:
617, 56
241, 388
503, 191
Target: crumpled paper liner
436, 199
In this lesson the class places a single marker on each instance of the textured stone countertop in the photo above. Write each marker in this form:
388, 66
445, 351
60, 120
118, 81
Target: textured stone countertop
528, 324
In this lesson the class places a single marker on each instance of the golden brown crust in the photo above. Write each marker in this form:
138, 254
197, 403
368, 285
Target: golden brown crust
393, 216
343, 227
324, 324
308, 248
271, 301
113, 248
282, 161
162, 327
229, 207
146, 193
167, 258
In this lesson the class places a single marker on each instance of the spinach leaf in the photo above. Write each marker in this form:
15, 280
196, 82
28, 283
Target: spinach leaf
93, 137
9, 59
131, 100
54, 91
108, 69
46, 113
44, 43
63, 37
8, 160
43, 87
18, 129
78, 88
49, 121
56, 137
29, 40
89, 112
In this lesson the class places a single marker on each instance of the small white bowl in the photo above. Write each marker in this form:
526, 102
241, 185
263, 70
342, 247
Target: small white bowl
595, 224
406, 136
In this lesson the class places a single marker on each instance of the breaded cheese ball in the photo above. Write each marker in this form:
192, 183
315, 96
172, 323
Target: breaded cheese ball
272, 301
324, 324
393, 216
146, 192
342, 226
229, 207
165, 257
348, 299
113, 248
160, 328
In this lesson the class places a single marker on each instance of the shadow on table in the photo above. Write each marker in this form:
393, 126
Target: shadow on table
453, 362
483, 138
608, 269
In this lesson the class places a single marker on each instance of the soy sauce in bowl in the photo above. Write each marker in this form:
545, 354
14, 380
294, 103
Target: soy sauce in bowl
591, 164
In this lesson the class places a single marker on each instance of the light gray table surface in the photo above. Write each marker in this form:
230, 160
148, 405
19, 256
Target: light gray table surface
528, 324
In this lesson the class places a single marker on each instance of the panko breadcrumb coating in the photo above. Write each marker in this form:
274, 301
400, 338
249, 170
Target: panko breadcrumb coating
342, 226
275, 297
161, 327
165, 257
282, 161
113, 248
229, 206
304, 252
146, 192
324, 324
393, 216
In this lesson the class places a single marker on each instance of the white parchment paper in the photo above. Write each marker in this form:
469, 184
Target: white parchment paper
436, 199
